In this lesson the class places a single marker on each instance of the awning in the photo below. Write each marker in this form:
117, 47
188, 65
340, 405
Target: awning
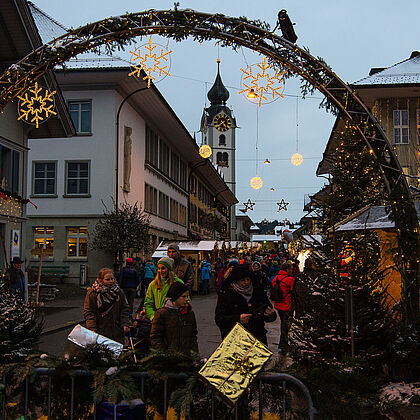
188, 246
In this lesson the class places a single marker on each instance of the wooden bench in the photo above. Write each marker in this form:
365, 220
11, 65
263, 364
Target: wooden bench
59, 271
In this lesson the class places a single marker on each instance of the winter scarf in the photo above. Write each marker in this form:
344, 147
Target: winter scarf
105, 295
246, 292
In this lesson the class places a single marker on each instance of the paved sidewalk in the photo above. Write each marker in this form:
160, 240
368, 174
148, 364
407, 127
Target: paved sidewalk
64, 313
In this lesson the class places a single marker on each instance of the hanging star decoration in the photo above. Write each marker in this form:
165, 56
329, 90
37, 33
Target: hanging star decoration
150, 62
266, 83
282, 205
249, 205
36, 105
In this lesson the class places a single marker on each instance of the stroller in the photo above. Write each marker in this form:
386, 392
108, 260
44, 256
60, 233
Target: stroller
140, 331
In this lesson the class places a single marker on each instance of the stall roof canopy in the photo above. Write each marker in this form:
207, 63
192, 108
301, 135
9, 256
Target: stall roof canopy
188, 245
374, 217
311, 240
268, 238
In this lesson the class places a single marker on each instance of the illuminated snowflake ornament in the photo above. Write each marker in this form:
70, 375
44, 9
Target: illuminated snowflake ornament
154, 65
262, 83
36, 105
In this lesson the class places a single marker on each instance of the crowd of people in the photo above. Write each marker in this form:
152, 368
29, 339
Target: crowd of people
165, 318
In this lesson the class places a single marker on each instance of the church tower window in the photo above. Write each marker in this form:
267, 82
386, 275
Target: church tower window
222, 140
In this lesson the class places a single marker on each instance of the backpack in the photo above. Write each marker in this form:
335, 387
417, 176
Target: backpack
277, 294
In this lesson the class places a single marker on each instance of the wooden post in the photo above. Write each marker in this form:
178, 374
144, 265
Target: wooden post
40, 252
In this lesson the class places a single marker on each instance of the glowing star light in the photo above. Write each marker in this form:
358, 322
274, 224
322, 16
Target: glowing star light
297, 159
36, 105
256, 182
249, 205
265, 84
282, 205
150, 62
205, 151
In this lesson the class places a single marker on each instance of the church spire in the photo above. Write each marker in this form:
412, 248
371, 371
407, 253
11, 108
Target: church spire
218, 94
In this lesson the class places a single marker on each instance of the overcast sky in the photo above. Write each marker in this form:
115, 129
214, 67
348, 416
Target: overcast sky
351, 36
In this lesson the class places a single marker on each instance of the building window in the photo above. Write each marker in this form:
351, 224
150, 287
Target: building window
150, 199
77, 241
9, 169
175, 167
152, 145
81, 114
222, 140
222, 159
163, 205
77, 178
44, 237
183, 174
44, 178
163, 157
182, 215
401, 126
174, 211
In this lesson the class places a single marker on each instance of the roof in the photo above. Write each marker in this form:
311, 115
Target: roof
48, 28
268, 238
402, 73
374, 217
188, 245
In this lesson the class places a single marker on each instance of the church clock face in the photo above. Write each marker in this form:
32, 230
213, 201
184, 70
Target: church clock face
222, 122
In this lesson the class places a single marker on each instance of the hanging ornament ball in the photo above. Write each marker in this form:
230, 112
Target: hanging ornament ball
205, 151
256, 182
297, 159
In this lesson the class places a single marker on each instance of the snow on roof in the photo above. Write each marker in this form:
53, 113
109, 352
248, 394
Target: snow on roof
405, 72
48, 28
95, 61
268, 238
310, 240
374, 217
188, 245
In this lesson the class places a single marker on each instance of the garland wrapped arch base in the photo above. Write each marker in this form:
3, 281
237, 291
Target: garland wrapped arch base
116, 32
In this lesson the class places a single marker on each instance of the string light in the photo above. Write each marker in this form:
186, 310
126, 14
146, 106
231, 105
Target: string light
297, 158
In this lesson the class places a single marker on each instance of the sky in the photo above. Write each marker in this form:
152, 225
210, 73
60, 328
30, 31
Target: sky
351, 36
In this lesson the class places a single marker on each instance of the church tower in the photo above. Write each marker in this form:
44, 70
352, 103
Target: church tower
218, 127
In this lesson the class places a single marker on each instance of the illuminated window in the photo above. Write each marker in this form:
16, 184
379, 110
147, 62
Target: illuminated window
401, 126
77, 241
44, 237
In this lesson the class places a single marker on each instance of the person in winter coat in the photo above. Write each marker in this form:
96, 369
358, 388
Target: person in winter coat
181, 267
284, 307
15, 278
260, 276
174, 326
274, 270
205, 275
150, 271
158, 288
224, 272
106, 310
242, 300
128, 280
301, 287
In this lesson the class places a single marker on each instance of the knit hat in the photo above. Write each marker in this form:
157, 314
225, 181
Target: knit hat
232, 263
167, 262
239, 272
176, 290
175, 247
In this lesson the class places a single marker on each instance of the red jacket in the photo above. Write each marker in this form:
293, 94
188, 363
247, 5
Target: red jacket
286, 285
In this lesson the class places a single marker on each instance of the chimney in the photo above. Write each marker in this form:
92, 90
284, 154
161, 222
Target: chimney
375, 70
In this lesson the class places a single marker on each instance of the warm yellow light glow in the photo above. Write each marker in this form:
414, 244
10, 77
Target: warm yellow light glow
297, 159
251, 94
256, 182
205, 151
267, 161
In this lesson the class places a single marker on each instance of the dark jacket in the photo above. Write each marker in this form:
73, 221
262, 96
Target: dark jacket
15, 280
183, 269
128, 278
171, 328
230, 305
110, 322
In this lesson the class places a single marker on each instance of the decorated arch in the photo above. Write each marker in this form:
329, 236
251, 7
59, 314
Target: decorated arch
340, 98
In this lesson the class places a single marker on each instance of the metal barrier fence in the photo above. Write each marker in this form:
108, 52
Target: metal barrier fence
266, 377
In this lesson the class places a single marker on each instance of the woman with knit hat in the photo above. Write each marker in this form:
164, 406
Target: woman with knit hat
158, 288
243, 300
174, 326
